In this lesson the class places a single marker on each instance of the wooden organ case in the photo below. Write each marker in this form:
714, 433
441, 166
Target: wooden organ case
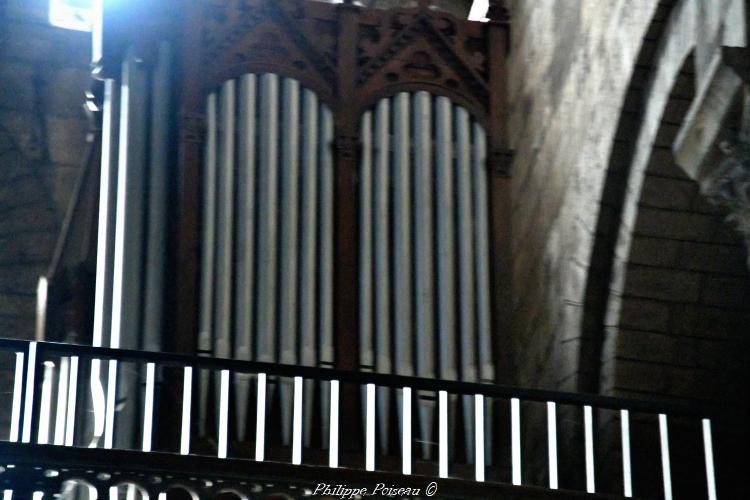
305, 183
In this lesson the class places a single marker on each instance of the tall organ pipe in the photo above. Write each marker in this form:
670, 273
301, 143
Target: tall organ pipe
289, 250
308, 243
268, 219
425, 294
245, 242
445, 239
481, 242
207, 253
381, 183
365, 256
430, 157
224, 227
105, 249
326, 254
157, 205
466, 270
129, 230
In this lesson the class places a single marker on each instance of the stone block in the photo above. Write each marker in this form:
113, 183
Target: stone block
653, 251
709, 257
662, 283
726, 291
673, 224
708, 322
662, 163
674, 194
644, 314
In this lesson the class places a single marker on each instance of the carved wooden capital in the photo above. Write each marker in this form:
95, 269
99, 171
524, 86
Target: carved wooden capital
347, 146
500, 162
192, 127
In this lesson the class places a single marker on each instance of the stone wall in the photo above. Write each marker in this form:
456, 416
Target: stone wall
43, 77
570, 65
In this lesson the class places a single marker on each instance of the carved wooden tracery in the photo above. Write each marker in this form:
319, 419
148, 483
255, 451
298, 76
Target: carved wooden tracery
351, 57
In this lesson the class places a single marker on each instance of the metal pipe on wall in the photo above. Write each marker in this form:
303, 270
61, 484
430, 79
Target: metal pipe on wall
326, 353
205, 334
104, 253
424, 265
308, 245
222, 323
129, 232
245, 242
289, 170
381, 197
157, 203
466, 262
268, 218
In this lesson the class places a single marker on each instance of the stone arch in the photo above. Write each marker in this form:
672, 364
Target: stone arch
666, 51
667, 288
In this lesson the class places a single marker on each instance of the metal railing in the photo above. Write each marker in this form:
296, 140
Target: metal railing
53, 404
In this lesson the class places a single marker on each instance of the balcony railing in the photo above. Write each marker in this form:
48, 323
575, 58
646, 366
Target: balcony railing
66, 425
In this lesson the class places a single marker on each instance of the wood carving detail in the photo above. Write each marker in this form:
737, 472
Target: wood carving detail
412, 47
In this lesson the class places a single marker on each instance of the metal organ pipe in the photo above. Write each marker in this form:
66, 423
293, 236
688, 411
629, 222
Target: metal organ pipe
423, 171
131, 241
224, 227
308, 244
446, 239
267, 238
267, 218
424, 289
245, 241
466, 263
326, 253
289, 221
381, 176
129, 233
207, 252
157, 204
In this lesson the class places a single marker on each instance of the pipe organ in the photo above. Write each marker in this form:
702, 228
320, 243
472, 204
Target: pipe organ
303, 183
267, 260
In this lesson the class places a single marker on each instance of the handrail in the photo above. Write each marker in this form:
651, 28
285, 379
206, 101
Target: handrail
363, 378
36, 369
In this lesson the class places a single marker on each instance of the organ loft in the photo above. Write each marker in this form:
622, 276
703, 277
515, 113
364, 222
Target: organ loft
289, 264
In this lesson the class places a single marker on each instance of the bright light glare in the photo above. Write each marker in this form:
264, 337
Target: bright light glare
479, 436
187, 395
588, 421
370, 460
15, 415
333, 456
478, 10
709, 452
71, 14
665, 467
406, 434
552, 443
515, 433
297, 429
260, 419
148, 415
72, 389
223, 414
443, 433
109, 424
29, 402
627, 478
